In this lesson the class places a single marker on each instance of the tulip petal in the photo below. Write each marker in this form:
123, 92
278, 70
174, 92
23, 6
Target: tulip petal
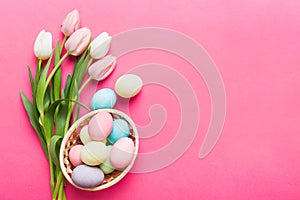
43, 45
100, 45
70, 23
78, 41
102, 68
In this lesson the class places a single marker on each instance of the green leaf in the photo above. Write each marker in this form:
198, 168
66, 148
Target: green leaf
34, 88
30, 77
67, 87
49, 119
37, 79
54, 148
77, 111
78, 75
78, 98
60, 120
57, 102
51, 94
57, 79
41, 89
29, 109
79, 62
82, 70
34, 83
47, 98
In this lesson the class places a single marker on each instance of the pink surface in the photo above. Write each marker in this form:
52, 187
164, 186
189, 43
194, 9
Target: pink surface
255, 45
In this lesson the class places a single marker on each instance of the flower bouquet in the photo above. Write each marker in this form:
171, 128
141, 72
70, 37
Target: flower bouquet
52, 108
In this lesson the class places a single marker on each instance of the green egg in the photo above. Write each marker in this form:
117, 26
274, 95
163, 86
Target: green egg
106, 166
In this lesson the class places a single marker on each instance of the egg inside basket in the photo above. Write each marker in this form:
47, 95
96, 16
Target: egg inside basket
72, 138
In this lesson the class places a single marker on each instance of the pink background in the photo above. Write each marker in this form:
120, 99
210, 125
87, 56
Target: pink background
255, 45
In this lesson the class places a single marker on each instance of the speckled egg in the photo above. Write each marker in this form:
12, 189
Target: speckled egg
100, 126
122, 153
120, 129
107, 167
74, 155
104, 98
87, 177
84, 135
128, 85
93, 153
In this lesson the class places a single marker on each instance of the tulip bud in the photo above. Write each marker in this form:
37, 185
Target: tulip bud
78, 41
43, 45
70, 23
102, 68
100, 45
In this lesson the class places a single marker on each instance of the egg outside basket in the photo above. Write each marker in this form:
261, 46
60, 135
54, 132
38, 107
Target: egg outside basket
72, 138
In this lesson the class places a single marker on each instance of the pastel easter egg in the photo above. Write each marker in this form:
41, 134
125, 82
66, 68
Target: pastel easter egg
120, 129
87, 177
104, 98
122, 153
84, 135
74, 155
100, 126
93, 153
128, 85
106, 166
103, 141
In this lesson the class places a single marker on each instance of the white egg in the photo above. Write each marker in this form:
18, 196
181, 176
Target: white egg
84, 135
128, 85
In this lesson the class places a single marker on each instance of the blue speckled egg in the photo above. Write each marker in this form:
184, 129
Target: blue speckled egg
104, 98
120, 129
87, 177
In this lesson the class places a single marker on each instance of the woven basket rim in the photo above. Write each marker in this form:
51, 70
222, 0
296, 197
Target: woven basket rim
77, 124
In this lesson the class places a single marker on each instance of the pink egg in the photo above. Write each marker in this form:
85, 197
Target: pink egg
100, 126
74, 155
122, 153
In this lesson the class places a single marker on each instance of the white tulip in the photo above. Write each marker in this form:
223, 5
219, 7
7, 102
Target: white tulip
43, 45
100, 45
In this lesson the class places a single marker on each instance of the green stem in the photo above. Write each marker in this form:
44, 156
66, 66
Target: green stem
64, 194
88, 80
79, 92
84, 84
58, 185
39, 66
90, 62
70, 111
62, 44
61, 193
51, 172
68, 117
55, 68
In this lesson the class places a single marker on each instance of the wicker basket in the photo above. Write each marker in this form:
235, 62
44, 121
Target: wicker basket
72, 138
